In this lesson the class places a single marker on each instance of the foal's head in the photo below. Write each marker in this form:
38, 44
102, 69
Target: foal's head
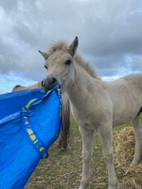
60, 65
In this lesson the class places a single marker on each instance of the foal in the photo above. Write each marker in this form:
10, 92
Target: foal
95, 104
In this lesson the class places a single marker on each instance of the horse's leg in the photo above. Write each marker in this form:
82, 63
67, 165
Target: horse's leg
87, 137
138, 138
105, 132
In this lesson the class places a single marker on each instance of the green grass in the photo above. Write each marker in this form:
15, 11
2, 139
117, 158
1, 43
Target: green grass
62, 170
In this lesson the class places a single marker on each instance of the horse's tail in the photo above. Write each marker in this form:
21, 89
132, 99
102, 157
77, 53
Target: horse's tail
65, 123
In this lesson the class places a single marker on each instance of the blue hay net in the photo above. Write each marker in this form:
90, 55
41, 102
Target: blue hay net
30, 122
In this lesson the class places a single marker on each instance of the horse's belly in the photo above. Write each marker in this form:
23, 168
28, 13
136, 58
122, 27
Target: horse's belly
126, 116
121, 122
126, 106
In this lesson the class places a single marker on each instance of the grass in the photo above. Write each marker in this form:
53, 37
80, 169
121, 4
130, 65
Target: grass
63, 170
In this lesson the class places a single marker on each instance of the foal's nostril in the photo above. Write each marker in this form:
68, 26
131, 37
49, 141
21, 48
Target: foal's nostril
42, 83
53, 80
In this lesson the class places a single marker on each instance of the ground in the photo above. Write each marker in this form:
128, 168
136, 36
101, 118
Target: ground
62, 170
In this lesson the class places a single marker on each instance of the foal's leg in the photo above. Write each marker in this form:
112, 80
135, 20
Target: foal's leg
105, 132
87, 137
138, 138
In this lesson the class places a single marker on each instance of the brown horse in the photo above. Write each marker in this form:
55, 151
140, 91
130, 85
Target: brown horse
64, 137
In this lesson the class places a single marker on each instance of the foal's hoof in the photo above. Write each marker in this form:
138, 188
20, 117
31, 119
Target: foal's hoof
115, 186
58, 146
63, 149
135, 162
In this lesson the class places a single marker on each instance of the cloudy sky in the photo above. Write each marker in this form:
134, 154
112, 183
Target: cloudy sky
110, 36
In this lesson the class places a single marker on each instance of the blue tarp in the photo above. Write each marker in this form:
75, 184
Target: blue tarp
30, 122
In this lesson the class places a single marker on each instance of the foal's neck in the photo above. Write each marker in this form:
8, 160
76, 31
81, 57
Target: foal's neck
83, 83
83, 78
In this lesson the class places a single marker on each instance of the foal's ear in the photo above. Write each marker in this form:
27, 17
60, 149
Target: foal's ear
44, 54
73, 46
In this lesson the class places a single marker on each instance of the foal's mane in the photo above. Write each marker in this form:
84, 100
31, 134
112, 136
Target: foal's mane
64, 46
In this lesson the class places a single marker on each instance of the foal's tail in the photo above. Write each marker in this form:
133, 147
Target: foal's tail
65, 123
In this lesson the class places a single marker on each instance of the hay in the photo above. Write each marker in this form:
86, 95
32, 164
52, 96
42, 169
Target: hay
132, 176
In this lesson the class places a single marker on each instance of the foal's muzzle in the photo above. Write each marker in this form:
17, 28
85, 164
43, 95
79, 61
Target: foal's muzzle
51, 81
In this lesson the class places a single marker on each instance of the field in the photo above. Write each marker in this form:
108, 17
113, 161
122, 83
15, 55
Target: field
63, 170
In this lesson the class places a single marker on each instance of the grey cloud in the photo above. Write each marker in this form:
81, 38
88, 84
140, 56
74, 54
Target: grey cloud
107, 30
119, 34
9, 5
135, 63
109, 65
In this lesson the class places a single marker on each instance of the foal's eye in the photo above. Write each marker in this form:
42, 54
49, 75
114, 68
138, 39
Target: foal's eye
46, 67
68, 62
